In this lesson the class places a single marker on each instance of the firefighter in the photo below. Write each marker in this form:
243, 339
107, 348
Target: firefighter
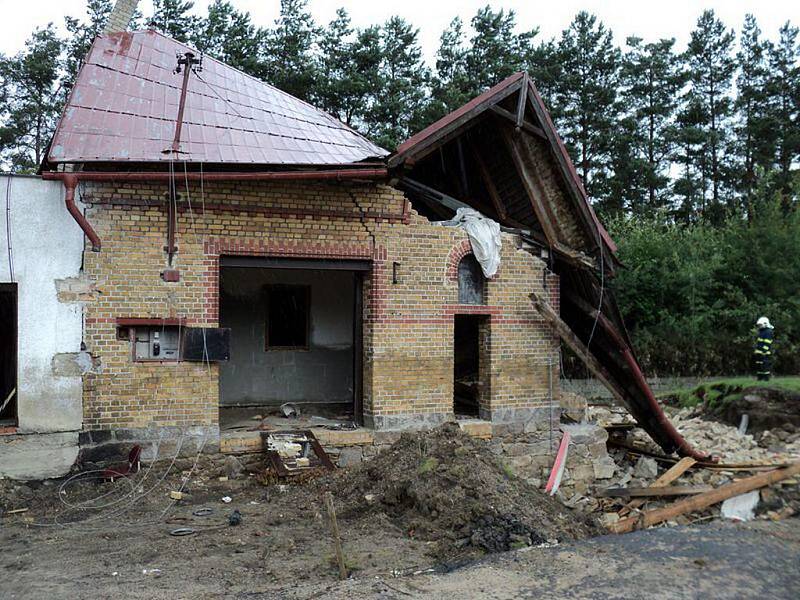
763, 350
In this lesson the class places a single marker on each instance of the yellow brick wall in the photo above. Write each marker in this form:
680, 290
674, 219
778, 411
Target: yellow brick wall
408, 325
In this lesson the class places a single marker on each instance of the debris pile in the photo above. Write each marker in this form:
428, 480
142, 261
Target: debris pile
445, 487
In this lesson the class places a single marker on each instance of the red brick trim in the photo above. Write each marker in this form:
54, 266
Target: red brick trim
457, 252
213, 248
8, 430
268, 211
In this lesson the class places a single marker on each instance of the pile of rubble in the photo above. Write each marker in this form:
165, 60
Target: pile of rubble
639, 470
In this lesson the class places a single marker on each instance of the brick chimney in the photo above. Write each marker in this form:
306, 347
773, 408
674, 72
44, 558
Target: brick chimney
121, 16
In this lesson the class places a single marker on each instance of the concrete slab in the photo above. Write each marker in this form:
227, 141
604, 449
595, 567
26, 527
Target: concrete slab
37, 455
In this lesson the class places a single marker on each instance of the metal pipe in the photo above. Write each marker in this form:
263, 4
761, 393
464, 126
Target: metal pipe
70, 183
337, 175
188, 62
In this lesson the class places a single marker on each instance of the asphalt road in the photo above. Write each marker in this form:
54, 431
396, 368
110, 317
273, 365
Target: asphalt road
719, 560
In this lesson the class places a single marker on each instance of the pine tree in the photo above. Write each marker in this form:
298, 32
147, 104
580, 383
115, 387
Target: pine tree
690, 185
784, 87
398, 109
82, 33
290, 64
583, 101
32, 100
230, 36
651, 80
495, 50
450, 86
755, 137
711, 67
349, 66
174, 18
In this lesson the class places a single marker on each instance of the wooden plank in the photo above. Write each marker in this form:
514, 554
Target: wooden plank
337, 539
526, 126
675, 471
486, 177
522, 100
570, 339
652, 517
453, 129
536, 199
654, 492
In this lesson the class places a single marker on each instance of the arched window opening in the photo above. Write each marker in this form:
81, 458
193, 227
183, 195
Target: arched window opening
470, 281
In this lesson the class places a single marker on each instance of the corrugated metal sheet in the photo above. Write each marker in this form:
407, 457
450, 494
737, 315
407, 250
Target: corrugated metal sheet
124, 105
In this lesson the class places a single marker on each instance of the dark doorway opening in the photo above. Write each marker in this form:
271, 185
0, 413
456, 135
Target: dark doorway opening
8, 354
296, 337
469, 361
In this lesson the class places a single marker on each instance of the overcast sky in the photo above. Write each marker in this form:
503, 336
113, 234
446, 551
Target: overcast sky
646, 18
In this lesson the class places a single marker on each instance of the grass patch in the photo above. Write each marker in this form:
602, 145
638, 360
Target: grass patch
428, 465
715, 391
508, 471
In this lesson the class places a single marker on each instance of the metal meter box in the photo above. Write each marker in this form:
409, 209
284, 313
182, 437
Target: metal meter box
157, 343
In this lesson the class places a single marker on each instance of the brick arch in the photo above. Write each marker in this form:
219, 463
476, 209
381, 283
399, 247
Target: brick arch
457, 252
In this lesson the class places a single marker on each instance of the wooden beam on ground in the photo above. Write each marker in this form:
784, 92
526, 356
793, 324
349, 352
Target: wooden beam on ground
534, 194
658, 515
526, 125
654, 492
486, 177
675, 471
576, 345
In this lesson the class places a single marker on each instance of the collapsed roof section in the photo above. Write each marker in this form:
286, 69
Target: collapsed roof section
125, 102
500, 154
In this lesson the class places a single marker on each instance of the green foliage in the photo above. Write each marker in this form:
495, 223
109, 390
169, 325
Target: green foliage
428, 465
710, 63
716, 391
403, 78
288, 60
31, 100
584, 101
691, 294
230, 36
174, 18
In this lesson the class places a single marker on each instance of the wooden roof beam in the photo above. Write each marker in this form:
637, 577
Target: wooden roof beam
483, 170
523, 124
534, 194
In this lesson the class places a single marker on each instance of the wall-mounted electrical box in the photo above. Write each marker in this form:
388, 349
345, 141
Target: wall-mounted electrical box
168, 339
156, 343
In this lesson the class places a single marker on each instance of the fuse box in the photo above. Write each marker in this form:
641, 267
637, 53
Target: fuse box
157, 343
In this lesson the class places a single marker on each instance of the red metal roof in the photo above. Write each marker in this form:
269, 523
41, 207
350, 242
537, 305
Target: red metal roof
124, 105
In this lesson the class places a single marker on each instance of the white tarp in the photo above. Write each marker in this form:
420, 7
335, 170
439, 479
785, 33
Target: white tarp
741, 508
484, 235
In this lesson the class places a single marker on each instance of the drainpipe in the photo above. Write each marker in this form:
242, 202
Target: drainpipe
70, 183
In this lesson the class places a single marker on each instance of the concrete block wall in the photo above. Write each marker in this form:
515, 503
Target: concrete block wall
408, 324
46, 247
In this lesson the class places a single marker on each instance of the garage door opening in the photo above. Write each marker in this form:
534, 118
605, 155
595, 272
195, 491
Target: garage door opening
470, 385
8, 354
295, 340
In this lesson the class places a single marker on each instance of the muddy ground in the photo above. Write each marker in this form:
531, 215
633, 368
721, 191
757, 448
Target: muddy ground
283, 551
432, 500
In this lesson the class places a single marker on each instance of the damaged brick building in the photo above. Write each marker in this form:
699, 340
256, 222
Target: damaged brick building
244, 250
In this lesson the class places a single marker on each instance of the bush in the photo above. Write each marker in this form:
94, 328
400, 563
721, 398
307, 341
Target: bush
691, 295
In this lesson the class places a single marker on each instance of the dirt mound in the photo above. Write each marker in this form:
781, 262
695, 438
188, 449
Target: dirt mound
446, 487
766, 407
